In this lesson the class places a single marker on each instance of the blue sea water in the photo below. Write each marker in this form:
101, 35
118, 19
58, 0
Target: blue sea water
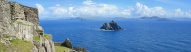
137, 36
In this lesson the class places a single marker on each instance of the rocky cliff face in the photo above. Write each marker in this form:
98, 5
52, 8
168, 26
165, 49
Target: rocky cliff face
21, 22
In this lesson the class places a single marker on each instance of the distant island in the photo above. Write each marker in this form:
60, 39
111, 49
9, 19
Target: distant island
155, 18
111, 26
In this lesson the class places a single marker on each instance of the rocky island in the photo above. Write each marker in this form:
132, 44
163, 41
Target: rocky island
111, 26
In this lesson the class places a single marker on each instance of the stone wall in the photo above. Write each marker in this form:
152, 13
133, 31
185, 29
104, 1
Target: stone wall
5, 18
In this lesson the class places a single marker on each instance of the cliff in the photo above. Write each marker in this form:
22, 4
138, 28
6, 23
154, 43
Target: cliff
20, 30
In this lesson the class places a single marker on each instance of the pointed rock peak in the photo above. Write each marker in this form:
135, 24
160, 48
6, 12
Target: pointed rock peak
67, 43
112, 21
67, 39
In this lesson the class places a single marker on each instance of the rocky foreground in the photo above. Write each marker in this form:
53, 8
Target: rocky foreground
20, 30
68, 44
111, 26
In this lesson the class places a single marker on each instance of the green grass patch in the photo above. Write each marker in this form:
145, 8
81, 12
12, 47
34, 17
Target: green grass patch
17, 45
23, 23
6, 36
3, 48
27, 25
46, 35
21, 45
61, 48
19, 22
36, 38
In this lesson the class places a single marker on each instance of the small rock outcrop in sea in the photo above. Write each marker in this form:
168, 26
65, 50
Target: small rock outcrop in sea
111, 26
67, 43
82, 49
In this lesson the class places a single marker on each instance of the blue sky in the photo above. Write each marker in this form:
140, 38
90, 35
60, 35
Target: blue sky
56, 9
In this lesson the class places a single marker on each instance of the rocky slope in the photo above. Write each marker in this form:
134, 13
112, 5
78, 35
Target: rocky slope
20, 23
68, 44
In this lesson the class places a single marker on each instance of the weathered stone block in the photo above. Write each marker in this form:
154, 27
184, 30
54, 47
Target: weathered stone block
17, 11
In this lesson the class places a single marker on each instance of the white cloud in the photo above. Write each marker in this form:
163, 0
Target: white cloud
57, 4
143, 10
41, 9
179, 13
88, 2
89, 8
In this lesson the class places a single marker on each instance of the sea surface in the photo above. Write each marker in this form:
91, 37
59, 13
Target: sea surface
137, 36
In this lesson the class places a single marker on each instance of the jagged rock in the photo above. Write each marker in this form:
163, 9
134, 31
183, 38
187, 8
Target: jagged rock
34, 49
25, 30
17, 11
5, 19
39, 30
80, 49
67, 43
111, 26
41, 49
47, 46
52, 46
31, 15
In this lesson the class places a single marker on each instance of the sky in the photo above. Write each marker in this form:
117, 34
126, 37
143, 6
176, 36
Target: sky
65, 9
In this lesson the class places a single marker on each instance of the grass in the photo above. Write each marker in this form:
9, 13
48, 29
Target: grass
23, 23
61, 48
19, 22
3, 48
21, 45
36, 38
46, 35
17, 45
7, 36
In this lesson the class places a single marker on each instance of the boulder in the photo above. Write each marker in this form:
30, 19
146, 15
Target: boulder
111, 26
80, 49
67, 43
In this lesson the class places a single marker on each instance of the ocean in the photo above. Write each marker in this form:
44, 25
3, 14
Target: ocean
137, 36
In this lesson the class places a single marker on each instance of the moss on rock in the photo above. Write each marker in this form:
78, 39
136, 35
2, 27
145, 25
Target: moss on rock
36, 38
17, 45
46, 35
3, 47
21, 45
61, 48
